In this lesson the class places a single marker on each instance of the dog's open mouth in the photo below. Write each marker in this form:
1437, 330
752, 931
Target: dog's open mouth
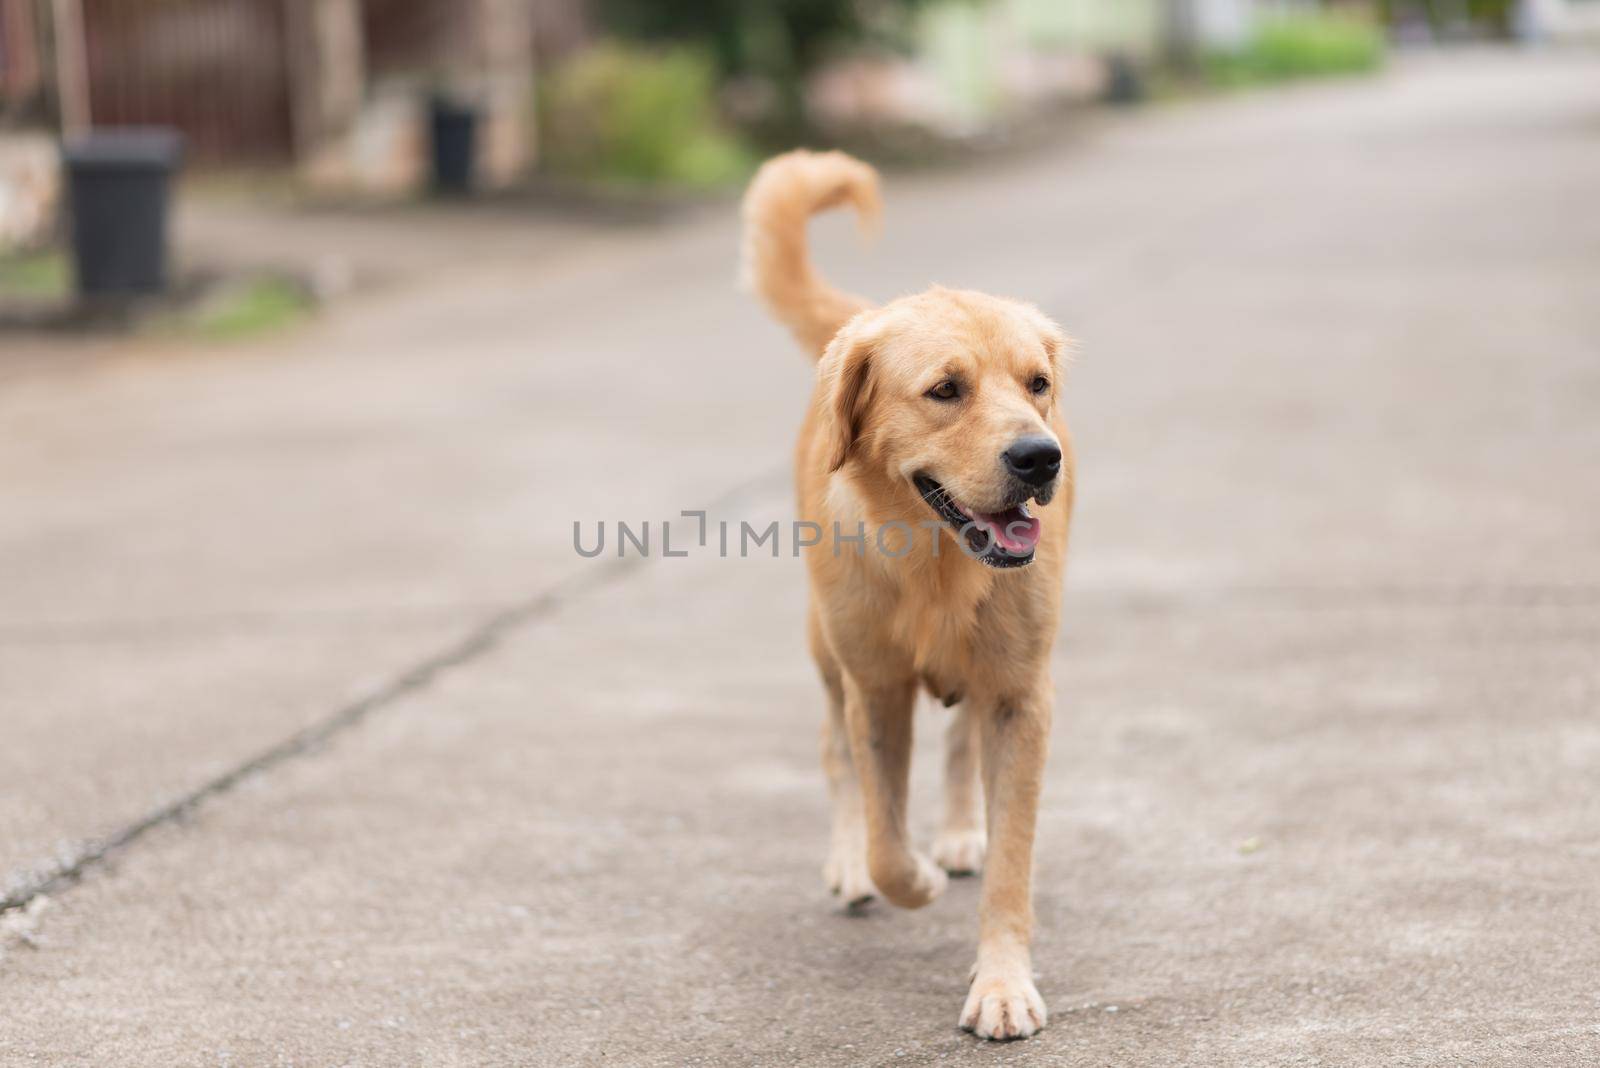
999, 539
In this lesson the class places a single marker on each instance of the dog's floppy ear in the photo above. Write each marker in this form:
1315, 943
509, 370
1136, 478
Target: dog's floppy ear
1057, 346
845, 371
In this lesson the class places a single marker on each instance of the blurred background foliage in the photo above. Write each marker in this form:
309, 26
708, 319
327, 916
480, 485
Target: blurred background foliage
687, 93
614, 105
1300, 46
659, 99
636, 114
778, 41
691, 93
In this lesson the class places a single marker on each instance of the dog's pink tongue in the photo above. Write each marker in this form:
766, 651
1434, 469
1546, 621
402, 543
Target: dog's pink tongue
1015, 532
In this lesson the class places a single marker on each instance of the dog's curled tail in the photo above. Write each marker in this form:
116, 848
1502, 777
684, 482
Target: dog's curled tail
785, 192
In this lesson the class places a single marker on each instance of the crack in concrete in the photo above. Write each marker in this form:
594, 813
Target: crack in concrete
478, 641
487, 634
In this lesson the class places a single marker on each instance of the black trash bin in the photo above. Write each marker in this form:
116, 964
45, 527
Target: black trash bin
1124, 84
118, 189
454, 129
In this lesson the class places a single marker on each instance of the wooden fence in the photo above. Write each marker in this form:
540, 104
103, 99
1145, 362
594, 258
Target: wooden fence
218, 70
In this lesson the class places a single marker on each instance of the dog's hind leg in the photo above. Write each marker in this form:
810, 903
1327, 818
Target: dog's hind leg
959, 847
878, 714
845, 871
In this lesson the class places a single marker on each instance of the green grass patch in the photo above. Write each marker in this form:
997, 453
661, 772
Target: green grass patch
43, 275
251, 308
1288, 47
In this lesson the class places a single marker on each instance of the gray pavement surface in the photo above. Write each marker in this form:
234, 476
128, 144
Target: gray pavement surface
1325, 786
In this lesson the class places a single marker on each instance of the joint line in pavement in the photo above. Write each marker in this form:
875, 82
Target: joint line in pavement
474, 644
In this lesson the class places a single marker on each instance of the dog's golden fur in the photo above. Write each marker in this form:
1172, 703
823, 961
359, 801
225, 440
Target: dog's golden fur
915, 609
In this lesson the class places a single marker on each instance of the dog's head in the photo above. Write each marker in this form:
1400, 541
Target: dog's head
950, 396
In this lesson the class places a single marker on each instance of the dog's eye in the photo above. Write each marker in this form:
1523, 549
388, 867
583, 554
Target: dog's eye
1040, 384
946, 390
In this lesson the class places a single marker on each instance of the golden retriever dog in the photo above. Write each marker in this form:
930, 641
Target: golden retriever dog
936, 430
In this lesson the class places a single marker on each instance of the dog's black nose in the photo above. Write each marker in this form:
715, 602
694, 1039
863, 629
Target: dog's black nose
1034, 460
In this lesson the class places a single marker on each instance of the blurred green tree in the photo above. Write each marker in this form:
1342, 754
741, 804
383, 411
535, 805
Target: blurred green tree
1444, 16
777, 41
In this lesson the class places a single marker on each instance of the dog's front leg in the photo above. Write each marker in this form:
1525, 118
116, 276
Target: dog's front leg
959, 847
1015, 736
878, 715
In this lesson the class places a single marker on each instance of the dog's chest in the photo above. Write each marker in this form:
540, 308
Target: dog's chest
940, 626
967, 636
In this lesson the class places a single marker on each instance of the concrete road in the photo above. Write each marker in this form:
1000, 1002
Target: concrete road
1325, 786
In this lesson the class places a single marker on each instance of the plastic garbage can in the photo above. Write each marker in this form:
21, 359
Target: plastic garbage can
119, 185
454, 129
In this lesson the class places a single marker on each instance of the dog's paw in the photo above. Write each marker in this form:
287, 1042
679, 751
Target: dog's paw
847, 878
1003, 1007
914, 882
960, 852
931, 882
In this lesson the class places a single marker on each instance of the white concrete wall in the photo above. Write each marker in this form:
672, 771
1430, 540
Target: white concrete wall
1559, 20
30, 189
